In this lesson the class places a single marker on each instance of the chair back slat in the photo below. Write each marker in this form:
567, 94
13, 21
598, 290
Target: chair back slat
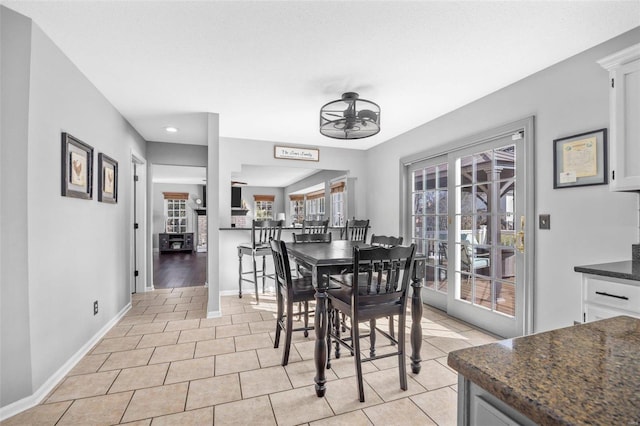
264, 230
315, 226
312, 238
355, 230
385, 241
384, 274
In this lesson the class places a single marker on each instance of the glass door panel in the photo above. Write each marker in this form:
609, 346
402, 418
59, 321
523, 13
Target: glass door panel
430, 225
485, 209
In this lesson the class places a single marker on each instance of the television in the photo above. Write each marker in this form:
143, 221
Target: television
236, 197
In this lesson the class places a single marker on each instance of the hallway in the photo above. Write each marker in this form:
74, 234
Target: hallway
176, 270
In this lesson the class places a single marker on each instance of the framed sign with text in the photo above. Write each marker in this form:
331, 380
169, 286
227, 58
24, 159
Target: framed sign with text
290, 153
580, 160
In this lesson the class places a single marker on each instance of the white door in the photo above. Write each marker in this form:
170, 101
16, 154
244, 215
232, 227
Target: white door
468, 219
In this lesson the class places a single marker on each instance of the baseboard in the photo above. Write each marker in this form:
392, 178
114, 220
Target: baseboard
214, 314
34, 399
268, 289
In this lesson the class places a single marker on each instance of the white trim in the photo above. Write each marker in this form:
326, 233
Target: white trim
214, 314
37, 397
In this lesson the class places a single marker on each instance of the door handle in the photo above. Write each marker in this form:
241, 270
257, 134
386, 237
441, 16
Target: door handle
520, 236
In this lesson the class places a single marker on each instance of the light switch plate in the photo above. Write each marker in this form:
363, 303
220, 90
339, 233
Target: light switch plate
544, 221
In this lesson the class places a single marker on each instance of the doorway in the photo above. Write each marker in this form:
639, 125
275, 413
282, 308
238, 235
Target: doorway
138, 270
467, 216
179, 203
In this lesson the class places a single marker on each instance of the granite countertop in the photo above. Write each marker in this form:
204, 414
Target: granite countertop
628, 269
583, 374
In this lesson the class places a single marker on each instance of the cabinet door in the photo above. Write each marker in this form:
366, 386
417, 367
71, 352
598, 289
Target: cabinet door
624, 110
625, 166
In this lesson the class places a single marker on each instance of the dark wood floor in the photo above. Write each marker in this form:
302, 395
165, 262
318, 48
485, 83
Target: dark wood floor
179, 269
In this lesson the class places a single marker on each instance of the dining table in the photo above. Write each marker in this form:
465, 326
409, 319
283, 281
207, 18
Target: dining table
325, 259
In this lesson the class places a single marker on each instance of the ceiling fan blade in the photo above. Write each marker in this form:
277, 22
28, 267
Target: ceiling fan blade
368, 115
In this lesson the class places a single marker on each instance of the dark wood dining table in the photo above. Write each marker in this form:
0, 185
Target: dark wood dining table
331, 258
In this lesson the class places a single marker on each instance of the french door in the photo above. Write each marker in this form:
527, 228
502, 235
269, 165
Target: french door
468, 219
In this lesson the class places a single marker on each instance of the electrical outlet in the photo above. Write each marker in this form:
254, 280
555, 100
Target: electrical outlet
95, 308
545, 221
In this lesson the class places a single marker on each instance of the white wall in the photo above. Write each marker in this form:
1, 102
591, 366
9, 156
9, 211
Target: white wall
76, 251
588, 224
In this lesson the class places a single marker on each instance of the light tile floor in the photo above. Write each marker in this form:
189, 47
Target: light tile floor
164, 363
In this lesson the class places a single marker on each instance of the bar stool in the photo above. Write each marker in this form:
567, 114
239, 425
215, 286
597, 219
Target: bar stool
261, 232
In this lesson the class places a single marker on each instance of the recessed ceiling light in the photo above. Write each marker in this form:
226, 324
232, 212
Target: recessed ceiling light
171, 129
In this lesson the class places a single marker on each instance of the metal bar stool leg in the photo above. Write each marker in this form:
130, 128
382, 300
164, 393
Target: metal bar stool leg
239, 273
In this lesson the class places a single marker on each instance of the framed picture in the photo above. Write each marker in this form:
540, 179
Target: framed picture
580, 160
290, 153
107, 179
77, 168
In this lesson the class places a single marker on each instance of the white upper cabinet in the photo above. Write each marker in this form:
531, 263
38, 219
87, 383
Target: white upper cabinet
624, 114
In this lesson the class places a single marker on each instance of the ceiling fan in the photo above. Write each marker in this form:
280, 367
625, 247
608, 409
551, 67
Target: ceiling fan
350, 118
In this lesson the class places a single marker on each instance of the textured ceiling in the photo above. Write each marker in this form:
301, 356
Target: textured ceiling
268, 66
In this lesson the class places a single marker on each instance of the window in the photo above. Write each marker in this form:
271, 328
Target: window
263, 206
296, 207
338, 211
315, 205
176, 211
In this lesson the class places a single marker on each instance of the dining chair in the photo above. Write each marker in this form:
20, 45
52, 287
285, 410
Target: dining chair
261, 232
315, 226
302, 269
355, 230
289, 290
472, 262
379, 290
388, 242
305, 270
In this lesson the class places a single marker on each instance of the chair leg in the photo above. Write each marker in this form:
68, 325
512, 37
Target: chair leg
402, 359
336, 329
330, 315
287, 334
255, 277
279, 315
372, 337
264, 271
239, 274
392, 331
306, 317
355, 332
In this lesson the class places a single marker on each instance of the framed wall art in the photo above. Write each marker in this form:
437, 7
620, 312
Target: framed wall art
77, 168
291, 153
580, 160
107, 179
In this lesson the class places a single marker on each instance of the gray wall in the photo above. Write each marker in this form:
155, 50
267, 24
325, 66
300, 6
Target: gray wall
177, 154
588, 224
15, 347
75, 251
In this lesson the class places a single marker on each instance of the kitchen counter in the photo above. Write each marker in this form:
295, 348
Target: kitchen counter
583, 374
628, 269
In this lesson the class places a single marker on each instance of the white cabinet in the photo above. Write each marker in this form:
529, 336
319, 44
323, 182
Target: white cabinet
624, 116
604, 297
